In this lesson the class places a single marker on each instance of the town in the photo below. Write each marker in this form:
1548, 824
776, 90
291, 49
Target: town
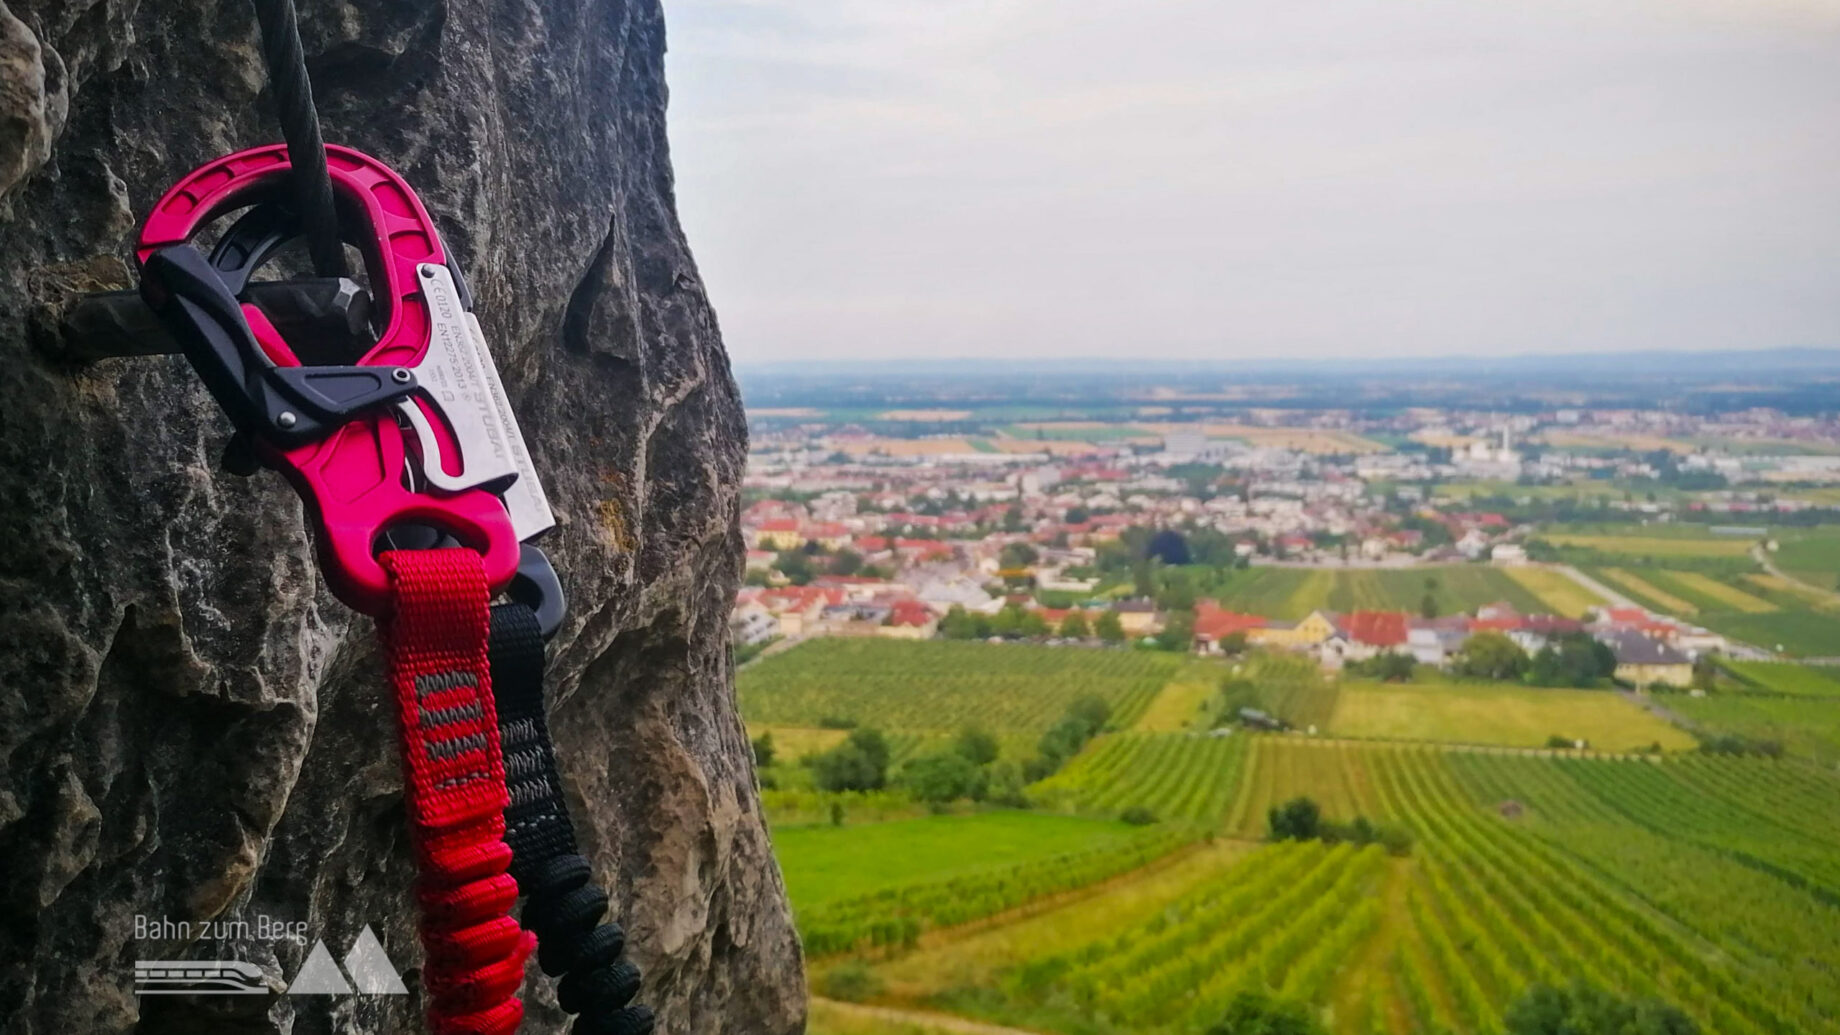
1168, 534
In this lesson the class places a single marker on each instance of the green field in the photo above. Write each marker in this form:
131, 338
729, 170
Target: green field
1755, 609
1810, 554
1786, 678
1495, 714
1806, 727
1558, 593
1711, 883
1650, 546
1292, 593
940, 686
1177, 776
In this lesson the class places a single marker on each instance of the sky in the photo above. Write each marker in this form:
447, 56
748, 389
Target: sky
1222, 179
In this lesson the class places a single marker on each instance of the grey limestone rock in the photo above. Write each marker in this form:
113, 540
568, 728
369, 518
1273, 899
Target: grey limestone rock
191, 728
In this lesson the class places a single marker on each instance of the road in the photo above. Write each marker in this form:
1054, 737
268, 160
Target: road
920, 1018
1763, 558
1611, 596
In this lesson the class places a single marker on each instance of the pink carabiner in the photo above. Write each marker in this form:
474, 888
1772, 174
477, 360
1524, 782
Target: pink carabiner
354, 480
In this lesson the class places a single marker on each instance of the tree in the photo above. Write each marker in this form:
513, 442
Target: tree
1075, 627
1299, 819
1571, 659
1389, 666
1255, 1012
976, 745
1584, 1009
1109, 628
1490, 655
1705, 673
959, 624
860, 763
1168, 546
938, 779
1076, 516
1428, 607
1091, 710
795, 565
1178, 632
1031, 625
763, 751
846, 562
1017, 555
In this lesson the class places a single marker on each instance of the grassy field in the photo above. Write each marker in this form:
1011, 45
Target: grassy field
1292, 593
1648, 545
942, 686
1182, 704
824, 864
1806, 727
1557, 592
1810, 554
1491, 714
1786, 678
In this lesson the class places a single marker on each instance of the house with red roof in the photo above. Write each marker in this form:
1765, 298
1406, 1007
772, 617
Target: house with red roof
909, 619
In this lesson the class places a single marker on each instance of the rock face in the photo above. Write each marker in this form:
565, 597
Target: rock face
191, 728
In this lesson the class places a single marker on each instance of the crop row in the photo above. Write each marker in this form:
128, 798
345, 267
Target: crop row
942, 685
1176, 776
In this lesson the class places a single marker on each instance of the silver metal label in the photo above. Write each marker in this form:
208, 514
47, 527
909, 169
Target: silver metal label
460, 378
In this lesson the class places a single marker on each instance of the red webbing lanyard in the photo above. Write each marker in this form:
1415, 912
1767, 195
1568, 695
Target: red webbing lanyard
454, 786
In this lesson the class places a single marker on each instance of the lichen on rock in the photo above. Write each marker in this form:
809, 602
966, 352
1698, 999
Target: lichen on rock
193, 729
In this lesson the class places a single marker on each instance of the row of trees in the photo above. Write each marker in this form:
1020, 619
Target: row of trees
1301, 819
1014, 623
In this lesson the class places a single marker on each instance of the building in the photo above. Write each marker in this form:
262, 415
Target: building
1137, 617
1643, 662
909, 620
1312, 630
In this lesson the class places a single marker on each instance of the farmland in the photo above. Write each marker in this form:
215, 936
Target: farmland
1491, 714
1786, 678
1708, 882
942, 686
1810, 728
1653, 546
1182, 777
1711, 882
1754, 608
1557, 592
1292, 593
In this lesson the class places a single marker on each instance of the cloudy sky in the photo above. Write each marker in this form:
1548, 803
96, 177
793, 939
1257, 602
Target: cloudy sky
1259, 178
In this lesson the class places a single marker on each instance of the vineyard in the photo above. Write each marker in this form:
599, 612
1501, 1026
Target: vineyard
1764, 610
940, 686
1708, 882
1177, 776
1806, 727
1492, 714
1785, 678
1292, 593
898, 911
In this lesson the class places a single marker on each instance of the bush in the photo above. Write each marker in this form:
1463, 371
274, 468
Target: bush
1257, 1013
938, 779
763, 751
1584, 1009
860, 763
1563, 743
835, 722
976, 746
1299, 819
1138, 816
852, 982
